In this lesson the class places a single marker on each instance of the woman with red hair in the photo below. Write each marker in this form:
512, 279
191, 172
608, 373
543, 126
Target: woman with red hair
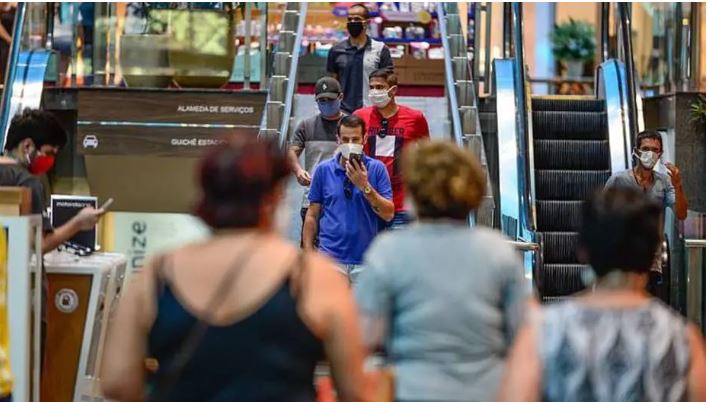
242, 316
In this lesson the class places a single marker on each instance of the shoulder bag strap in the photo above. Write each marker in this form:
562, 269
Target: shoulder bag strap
194, 337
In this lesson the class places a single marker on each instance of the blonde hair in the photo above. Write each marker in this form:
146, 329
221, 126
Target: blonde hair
443, 180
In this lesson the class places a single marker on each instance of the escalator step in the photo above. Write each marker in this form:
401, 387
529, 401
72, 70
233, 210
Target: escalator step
487, 104
568, 184
571, 154
568, 105
560, 247
562, 279
559, 216
553, 125
488, 122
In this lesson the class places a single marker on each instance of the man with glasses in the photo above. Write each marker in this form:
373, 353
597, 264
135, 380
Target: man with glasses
316, 136
390, 128
349, 196
352, 60
661, 181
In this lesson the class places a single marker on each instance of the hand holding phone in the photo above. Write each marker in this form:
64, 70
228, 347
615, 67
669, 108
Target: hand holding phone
107, 204
355, 157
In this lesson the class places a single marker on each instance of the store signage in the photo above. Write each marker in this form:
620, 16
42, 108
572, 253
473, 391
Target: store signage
215, 109
176, 123
98, 139
203, 107
141, 147
143, 235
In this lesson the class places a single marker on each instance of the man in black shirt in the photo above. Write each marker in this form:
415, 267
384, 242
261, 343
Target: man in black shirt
352, 60
33, 141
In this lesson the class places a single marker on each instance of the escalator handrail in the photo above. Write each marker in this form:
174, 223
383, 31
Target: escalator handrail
11, 70
528, 199
628, 55
612, 86
292, 77
604, 31
449, 82
454, 106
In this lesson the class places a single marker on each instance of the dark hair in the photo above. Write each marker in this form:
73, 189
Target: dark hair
649, 135
38, 125
235, 178
351, 121
620, 230
387, 74
367, 13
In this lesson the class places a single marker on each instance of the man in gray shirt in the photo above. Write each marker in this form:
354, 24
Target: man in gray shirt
316, 135
664, 188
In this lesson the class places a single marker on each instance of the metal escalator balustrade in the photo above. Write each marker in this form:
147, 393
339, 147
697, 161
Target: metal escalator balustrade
462, 98
487, 107
572, 158
510, 127
282, 87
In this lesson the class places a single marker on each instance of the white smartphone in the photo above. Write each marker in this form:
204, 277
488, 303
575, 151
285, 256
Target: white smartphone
106, 204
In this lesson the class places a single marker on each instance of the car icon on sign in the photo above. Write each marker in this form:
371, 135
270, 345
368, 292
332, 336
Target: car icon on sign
90, 141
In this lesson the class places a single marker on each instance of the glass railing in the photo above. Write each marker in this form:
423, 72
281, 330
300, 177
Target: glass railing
153, 45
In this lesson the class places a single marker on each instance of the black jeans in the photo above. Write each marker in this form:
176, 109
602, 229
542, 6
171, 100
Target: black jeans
303, 213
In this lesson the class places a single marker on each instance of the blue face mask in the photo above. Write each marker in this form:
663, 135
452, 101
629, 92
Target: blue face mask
329, 108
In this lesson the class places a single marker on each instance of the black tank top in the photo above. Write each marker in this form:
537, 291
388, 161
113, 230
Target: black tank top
270, 355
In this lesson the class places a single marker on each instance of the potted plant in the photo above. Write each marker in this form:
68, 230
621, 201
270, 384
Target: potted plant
144, 57
202, 44
574, 45
698, 113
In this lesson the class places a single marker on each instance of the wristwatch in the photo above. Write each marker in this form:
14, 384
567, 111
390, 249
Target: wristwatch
367, 190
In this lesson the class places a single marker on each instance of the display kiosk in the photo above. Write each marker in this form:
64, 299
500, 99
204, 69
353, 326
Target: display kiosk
81, 296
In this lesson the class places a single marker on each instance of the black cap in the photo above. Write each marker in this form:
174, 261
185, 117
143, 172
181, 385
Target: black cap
327, 87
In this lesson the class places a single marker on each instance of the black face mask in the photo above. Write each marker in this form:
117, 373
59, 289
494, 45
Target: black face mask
355, 28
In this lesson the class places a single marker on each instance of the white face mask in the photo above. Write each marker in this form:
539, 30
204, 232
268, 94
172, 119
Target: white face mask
348, 149
379, 97
647, 158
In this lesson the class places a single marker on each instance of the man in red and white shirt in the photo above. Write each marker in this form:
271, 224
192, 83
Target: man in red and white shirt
390, 127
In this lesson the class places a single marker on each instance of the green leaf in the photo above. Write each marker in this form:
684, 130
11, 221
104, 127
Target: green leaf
573, 40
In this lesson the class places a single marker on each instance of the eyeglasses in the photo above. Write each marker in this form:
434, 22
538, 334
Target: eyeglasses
348, 190
384, 128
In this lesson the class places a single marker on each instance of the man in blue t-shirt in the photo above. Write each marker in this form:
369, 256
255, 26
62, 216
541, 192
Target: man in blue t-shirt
349, 196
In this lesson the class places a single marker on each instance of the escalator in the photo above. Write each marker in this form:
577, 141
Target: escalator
547, 154
488, 124
572, 158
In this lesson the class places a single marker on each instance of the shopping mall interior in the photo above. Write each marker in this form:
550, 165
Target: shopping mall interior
550, 100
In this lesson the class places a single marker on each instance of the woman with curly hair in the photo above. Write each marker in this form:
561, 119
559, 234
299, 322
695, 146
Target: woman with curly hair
442, 297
